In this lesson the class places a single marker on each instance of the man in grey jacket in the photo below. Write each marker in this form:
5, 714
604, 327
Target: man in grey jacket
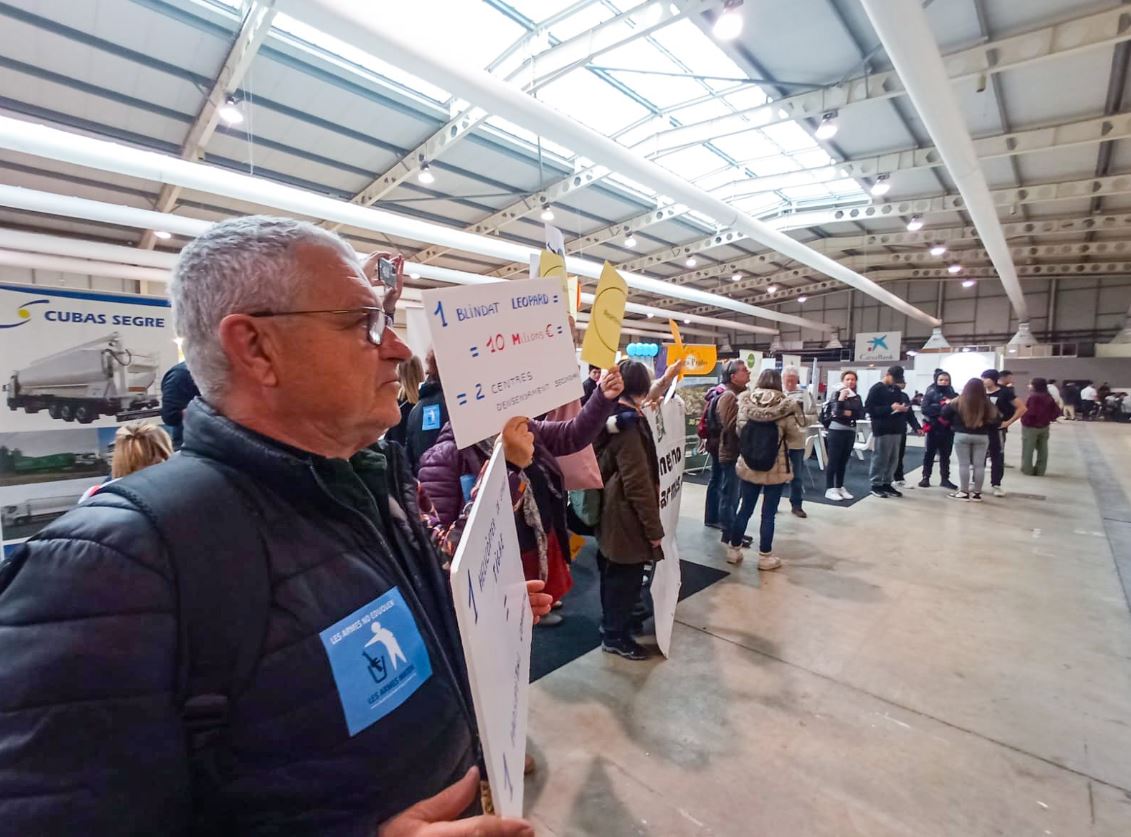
108, 632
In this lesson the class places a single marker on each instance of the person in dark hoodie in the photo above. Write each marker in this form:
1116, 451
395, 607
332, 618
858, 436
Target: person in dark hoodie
940, 437
429, 415
912, 424
886, 405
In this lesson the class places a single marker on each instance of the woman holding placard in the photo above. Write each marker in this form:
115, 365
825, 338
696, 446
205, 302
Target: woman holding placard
629, 531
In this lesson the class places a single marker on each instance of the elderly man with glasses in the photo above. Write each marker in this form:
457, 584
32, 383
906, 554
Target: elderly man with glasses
255, 637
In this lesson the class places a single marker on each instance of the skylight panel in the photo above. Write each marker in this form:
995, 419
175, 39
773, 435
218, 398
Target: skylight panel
750, 145
685, 41
539, 10
351, 56
806, 193
592, 102
530, 137
773, 165
790, 136
576, 24
691, 163
813, 159
758, 204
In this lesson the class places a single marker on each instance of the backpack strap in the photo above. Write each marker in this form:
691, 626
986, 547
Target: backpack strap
212, 532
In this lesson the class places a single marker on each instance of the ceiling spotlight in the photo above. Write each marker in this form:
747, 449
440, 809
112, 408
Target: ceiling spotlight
426, 177
691, 261
968, 283
414, 276
912, 353
547, 214
938, 249
161, 234
915, 224
882, 186
802, 298
954, 267
830, 124
728, 25
650, 315
686, 321
771, 289
230, 112
630, 240
735, 277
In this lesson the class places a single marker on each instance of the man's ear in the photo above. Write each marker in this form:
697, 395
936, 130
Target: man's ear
251, 348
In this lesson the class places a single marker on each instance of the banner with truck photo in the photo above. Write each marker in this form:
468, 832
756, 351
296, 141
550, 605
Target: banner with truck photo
75, 365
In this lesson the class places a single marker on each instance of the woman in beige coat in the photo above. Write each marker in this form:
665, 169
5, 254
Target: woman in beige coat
764, 414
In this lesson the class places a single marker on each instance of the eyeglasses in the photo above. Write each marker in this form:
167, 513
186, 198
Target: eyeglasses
377, 320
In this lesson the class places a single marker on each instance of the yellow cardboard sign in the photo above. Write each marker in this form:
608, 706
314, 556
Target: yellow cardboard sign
697, 359
605, 318
551, 265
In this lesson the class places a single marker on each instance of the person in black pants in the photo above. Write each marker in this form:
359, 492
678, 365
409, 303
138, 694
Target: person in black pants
841, 436
912, 424
1010, 408
940, 437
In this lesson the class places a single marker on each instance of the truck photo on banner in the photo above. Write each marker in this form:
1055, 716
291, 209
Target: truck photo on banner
75, 365
878, 346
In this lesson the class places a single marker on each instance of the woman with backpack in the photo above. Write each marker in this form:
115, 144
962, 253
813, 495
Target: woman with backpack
973, 417
629, 531
769, 424
839, 416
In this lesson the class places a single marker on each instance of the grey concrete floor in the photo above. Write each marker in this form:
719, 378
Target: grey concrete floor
918, 667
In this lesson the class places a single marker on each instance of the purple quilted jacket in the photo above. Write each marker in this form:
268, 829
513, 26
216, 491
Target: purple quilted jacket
443, 464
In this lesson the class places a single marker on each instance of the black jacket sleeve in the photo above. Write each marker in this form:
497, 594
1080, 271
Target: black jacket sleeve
878, 403
932, 403
90, 739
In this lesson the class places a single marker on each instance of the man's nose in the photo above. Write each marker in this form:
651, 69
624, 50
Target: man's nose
393, 348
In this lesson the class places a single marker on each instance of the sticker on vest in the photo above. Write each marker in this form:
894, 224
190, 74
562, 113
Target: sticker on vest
378, 659
431, 417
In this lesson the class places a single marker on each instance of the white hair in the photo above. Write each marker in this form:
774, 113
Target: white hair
238, 266
791, 370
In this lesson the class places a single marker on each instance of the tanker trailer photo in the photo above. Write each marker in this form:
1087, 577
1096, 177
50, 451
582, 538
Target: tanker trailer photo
83, 383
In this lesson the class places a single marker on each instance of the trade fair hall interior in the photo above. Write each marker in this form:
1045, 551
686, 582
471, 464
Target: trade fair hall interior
796, 334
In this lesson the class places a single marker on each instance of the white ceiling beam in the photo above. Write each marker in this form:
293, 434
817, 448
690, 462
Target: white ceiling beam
1075, 225
1044, 138
252, 32
347, 21
535, 72
1119, 184
911, 47
1061, 270
1049, 42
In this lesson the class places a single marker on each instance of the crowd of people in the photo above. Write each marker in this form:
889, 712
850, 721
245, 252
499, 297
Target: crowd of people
184, 604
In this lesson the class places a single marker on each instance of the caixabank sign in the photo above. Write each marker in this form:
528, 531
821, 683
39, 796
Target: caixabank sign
81, 357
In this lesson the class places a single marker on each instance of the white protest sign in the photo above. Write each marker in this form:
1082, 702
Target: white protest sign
504, 349
493, 611
669, 432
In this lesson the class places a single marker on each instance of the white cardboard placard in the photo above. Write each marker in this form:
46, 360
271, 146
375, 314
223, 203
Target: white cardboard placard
504, 349
668, 431
493, 612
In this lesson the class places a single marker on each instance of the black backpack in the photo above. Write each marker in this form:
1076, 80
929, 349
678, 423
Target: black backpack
827, 413
714, 424
223, 603
760, 443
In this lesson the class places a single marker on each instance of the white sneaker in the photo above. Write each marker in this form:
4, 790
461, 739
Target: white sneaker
844, 493
999, 491
901, 484
734, 555
834, 495
768, 562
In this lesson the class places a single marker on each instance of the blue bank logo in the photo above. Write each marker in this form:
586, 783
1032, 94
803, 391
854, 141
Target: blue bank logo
880, 341
23, 313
